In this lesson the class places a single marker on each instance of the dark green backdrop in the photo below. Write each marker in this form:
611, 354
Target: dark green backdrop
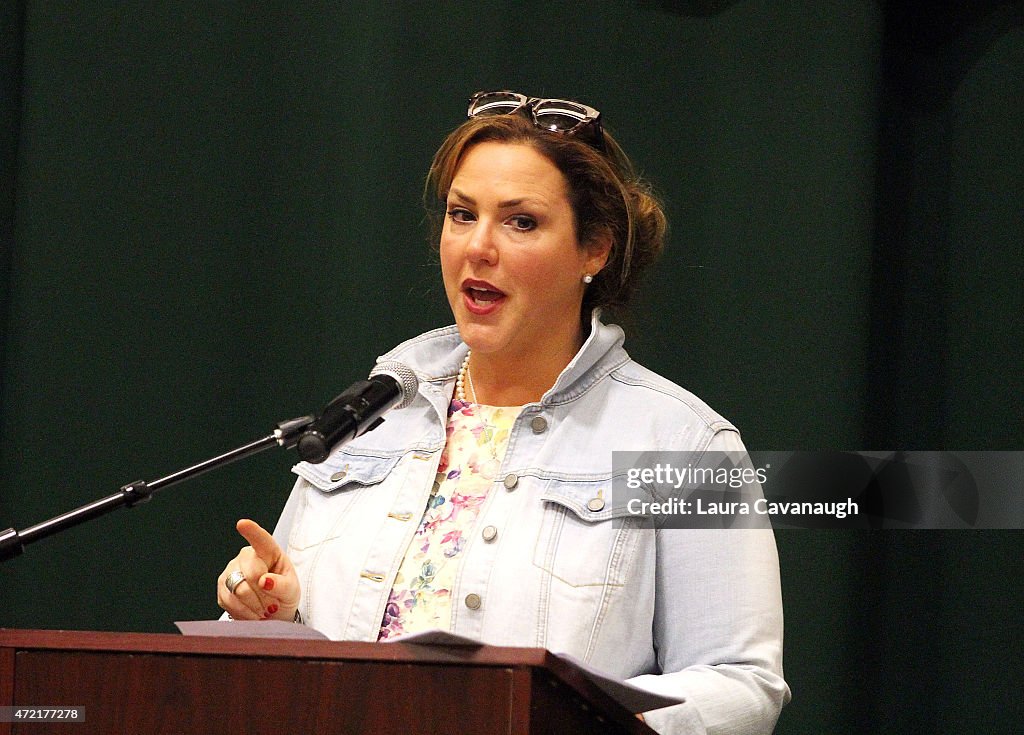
211, 221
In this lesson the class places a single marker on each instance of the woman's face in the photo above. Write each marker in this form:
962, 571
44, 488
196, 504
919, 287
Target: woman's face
511, 263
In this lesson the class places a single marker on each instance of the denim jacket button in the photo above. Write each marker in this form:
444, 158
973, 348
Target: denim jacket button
511, 480
473, 601
539, 424
489, 533
595, 504
339, 475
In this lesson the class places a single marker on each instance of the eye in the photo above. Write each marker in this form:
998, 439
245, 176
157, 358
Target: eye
522, 223
458, 214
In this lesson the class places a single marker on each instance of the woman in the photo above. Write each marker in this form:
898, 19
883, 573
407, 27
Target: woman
481, 508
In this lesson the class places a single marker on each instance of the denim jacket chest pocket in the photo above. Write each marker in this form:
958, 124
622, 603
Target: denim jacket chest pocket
338, 487
582, 540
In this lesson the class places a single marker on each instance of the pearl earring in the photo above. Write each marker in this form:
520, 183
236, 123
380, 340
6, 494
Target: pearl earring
588, 278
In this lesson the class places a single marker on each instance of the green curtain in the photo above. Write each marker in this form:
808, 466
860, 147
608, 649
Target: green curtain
211, 221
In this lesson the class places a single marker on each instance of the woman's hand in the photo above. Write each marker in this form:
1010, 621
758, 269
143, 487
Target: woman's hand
270, 590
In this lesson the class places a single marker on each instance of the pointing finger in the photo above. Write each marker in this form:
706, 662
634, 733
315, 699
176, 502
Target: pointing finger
261, 541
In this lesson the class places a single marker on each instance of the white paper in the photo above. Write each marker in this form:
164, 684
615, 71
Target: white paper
435, 637
250, 629
629, 696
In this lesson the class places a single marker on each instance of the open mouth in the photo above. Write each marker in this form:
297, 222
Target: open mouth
483, 296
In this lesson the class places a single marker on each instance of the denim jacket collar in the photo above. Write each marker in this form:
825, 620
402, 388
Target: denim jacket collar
437, 355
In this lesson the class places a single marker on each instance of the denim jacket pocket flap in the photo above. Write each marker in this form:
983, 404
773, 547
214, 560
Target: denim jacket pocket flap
589, 500
342, 469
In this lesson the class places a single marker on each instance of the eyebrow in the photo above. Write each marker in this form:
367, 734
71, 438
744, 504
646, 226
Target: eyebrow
501, 205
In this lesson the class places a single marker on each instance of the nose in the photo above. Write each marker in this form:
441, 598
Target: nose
482, 247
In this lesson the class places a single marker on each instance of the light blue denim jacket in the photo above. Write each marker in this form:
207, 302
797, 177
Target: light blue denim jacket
696, 613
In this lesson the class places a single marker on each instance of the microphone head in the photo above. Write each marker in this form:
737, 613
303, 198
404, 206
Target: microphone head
403, 375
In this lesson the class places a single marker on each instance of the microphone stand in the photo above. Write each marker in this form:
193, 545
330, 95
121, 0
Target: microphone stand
12, 542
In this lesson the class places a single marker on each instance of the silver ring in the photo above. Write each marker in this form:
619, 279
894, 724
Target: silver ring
233, 580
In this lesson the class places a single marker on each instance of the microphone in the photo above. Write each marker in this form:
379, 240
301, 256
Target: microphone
358, 410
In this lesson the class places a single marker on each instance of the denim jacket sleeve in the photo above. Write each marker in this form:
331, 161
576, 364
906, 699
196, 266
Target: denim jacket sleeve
717, 628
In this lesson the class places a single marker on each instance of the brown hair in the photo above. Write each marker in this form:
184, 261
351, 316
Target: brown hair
605, 193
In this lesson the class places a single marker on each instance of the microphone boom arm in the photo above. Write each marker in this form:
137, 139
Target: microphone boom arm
353, 413
12, 542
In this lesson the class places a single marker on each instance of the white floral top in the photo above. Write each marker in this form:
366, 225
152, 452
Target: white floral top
421, 596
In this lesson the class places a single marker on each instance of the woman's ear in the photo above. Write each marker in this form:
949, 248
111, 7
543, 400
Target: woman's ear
598, 249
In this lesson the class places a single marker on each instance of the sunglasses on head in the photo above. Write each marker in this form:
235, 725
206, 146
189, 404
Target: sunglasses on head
558, 116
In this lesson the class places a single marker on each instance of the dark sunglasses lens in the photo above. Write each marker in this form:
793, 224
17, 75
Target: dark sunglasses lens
495, 103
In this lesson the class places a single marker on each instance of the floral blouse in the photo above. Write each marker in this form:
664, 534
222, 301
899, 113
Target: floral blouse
421, 596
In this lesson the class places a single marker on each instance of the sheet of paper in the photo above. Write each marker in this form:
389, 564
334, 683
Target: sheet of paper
434, 637
631, 697
249, 629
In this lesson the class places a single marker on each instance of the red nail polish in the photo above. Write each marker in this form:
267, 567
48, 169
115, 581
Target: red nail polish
272, 609
268, 584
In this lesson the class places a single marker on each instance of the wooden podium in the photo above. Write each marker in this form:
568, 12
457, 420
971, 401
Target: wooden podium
160, 683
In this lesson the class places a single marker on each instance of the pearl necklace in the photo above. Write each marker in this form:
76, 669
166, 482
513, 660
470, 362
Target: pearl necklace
463, 378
